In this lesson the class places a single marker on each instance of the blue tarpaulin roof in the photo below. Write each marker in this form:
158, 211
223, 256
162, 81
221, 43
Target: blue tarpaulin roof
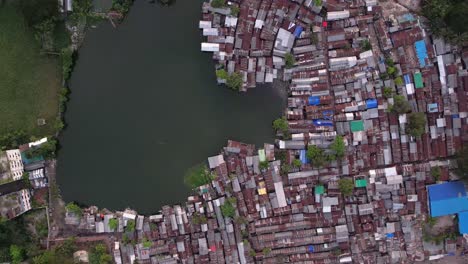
390, 235
298, 31
314, 100
303, 156
310, 248
371, 103
407, 78
447, 198
327, 114
322, 122
421, 52
463, 222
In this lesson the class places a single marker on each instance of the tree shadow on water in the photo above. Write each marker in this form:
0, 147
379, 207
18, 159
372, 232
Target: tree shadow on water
164, 2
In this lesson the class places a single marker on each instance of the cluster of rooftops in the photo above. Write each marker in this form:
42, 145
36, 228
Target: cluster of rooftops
349, 63
15, 195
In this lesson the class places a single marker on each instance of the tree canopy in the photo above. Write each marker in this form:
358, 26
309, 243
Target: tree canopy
98, 255
221, 74
113, 223
462, 162
289, 60
400, 105
346, 186
447, 19
281, 125
416, 124
235, 81
316, 155
227, 209
338, 147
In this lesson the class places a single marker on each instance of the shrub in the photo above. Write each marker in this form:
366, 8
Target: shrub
387, 92
218, 3
73, 208
221, 74
235, 10
67, 62
198, 175
289, 60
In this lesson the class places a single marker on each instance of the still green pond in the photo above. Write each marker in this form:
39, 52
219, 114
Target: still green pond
145, 107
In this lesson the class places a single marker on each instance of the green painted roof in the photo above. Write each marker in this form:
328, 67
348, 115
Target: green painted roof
418, 81
361, 183
357, 125
261, 155
319, 189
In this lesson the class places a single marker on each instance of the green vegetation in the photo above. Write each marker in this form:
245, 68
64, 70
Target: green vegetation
387, 92
227, 209
222, 74
113, 223
13, 139
281, 125
338, 147
316, 155
147, 243
346, 186
73, 208
67, 62
130, 225
400, 105
45, 150
297, 163
266, 251
98, 255
235, 81
392, 71
60, 254
240, 220
16, 254
121, 6
314, 38
263, 165
447, 19
29, 85
462, 163
398, 81
198, 175
235, 10
416, 124
285, 168
199, 219
289, 60
365, 45
218, 3
318, 2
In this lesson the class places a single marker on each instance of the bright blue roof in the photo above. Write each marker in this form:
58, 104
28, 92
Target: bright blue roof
314, 100
447, 198
371, 103
390, 235
463, 222
303, 156
298, 31
322, 122
421, 52
446, 190
407, 78
311, 248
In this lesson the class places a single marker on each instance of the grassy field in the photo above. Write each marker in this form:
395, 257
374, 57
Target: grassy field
29, 81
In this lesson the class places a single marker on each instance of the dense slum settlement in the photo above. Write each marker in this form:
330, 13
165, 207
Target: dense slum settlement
356, 76
23, 181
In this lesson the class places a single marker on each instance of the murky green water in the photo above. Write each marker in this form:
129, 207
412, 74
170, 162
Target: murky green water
145, 107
